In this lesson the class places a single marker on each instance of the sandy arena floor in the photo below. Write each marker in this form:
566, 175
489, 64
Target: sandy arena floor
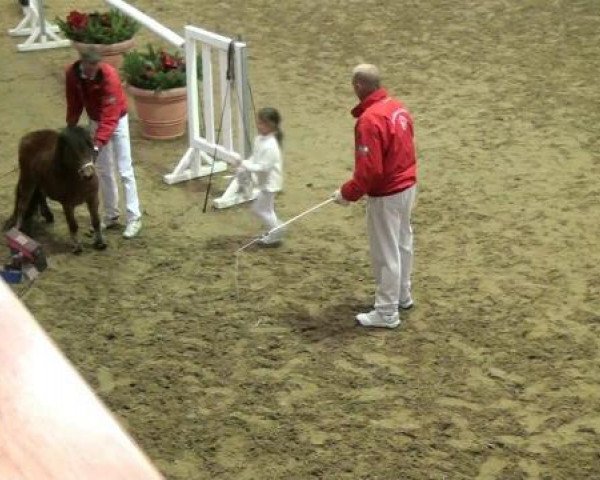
494, 375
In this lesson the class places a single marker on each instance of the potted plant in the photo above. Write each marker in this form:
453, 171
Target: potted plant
110, 32
157, 81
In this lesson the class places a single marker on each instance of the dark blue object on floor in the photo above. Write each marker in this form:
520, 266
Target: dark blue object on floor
11, 276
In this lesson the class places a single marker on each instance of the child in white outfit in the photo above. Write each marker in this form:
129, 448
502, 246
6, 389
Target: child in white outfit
266, 165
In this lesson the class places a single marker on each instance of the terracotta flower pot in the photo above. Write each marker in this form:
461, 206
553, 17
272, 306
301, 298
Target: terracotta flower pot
111, 53
162, 114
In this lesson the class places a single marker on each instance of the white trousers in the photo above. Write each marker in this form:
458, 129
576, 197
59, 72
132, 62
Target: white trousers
391, 245
117, 152
264, 208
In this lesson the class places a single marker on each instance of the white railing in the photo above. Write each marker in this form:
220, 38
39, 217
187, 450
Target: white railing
224, 137
148, 22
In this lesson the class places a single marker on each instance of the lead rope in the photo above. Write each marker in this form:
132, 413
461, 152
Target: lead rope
6, 174
239, 251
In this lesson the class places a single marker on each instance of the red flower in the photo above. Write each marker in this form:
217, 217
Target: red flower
77, 20
168, 62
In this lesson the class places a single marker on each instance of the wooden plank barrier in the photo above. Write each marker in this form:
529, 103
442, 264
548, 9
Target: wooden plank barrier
52, 426
222, 137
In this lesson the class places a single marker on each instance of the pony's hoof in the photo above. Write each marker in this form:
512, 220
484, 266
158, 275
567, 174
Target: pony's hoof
77, 249
100, 245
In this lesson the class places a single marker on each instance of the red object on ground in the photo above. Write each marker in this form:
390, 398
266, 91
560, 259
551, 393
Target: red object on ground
30, 249
53, 427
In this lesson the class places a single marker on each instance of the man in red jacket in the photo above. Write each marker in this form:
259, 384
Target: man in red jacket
96, 86
385, 170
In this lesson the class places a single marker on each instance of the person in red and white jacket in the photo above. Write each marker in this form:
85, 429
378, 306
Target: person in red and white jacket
386, 171
96, 86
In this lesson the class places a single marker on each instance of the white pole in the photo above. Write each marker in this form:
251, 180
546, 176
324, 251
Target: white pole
42, 19
207, 84
240, 250
246, 100
285, 224
192, 88
299, 216
226, 87
151, 24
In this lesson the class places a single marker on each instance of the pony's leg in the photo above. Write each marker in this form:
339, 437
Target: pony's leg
45, 209
93, 205
25, 194
32, 209
12, 220
73, 227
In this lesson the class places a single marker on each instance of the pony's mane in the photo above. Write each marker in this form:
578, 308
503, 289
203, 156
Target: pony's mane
72, 141
77, 138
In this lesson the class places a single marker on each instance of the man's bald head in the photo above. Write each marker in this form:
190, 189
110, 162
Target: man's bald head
365, 79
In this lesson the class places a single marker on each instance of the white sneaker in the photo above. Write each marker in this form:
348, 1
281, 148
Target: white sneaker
273, 239
376, 319
269, 242
133, 228
406, 304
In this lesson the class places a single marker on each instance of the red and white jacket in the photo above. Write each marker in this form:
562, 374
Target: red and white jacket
385, 160
103, 97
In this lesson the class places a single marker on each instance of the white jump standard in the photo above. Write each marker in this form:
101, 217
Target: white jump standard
41, 34
209, 151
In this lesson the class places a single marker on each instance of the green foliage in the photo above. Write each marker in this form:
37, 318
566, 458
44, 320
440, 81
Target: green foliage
155, 69
104, 28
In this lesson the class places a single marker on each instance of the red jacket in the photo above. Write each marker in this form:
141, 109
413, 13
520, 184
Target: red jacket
103, 98
385, 161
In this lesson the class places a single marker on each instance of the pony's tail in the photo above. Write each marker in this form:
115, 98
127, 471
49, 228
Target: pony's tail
33, 206
30, 209
12, 220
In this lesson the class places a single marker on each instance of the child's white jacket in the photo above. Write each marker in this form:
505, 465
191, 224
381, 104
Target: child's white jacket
266, 163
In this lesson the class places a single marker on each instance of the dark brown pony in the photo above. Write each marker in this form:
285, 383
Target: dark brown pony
60, 166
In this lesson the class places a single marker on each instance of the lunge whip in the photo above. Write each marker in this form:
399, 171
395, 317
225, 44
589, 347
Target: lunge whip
291, 220
285, 224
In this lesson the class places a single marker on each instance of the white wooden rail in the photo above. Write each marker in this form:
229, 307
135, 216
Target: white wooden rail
148, 22
222, 137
